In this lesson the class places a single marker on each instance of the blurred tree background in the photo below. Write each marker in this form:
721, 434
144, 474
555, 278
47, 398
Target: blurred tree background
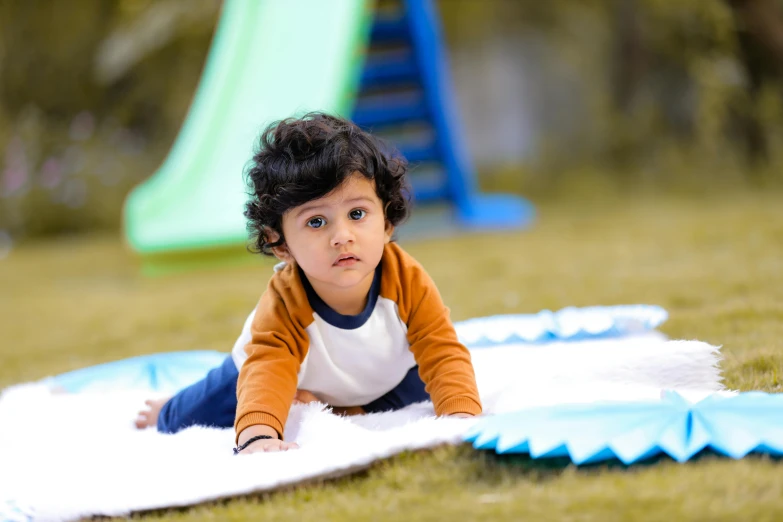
637, 93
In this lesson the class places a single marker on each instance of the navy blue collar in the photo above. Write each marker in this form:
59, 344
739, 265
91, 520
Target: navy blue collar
338, 320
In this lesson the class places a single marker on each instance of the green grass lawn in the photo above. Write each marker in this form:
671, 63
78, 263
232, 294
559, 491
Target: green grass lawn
716, 264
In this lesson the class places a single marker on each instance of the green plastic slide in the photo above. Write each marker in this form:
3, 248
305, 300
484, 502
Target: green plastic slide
270, 59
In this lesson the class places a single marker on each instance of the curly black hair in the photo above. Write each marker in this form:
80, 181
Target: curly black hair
302, 159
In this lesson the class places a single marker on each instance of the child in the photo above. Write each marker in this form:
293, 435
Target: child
348, 318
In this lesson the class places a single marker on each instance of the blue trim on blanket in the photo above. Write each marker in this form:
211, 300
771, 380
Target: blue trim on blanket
12, 511
568, 324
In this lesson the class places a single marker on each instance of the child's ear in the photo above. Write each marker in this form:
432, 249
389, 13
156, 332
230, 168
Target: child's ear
388, 231
281, 252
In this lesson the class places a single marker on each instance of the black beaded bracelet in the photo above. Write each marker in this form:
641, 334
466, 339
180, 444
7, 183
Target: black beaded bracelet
250, 441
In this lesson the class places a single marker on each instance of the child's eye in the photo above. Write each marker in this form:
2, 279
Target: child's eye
316, 222
357, 214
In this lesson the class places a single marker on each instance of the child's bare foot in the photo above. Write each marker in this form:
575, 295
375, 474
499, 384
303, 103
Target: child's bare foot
149, 418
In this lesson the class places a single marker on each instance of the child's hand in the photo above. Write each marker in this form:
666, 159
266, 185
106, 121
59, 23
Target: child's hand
263, 445
269, 446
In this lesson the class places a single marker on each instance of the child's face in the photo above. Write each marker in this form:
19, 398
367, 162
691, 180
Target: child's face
338, 239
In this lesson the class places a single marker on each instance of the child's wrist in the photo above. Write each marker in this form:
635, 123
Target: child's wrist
250, 441
256, 430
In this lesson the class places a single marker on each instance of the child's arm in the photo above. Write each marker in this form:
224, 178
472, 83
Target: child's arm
268, 377
444, 362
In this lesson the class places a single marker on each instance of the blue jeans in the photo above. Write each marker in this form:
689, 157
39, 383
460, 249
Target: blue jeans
212, 401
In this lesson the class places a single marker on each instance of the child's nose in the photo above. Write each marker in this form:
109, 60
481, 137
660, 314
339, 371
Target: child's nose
342, 234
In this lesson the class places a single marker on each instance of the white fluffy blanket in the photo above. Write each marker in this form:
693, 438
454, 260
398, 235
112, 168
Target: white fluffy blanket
67, 456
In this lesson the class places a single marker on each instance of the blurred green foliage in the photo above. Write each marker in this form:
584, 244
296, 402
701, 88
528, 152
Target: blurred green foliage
92, 94
676, 93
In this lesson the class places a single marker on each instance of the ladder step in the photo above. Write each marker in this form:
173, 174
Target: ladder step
429, 187
386, 30
420, 153
389, 111
393, 68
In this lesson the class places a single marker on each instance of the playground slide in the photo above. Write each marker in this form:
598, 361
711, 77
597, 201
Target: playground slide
269, 59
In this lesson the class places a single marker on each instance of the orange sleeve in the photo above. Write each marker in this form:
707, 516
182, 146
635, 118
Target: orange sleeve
444, 362
268, 378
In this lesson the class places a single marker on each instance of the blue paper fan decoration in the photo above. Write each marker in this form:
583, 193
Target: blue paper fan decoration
633, 431
568, 324
165, 372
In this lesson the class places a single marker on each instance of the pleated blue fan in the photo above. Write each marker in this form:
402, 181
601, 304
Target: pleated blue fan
633, 431
165, 372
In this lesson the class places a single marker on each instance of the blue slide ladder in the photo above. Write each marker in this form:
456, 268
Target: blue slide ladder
405, 96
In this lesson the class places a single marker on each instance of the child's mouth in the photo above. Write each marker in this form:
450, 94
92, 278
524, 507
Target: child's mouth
346, 260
